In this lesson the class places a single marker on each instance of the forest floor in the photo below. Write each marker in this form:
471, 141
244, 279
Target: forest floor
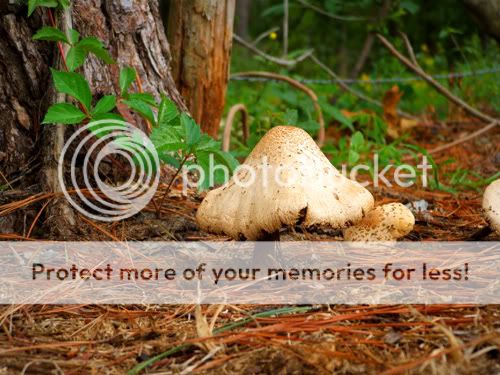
95, 339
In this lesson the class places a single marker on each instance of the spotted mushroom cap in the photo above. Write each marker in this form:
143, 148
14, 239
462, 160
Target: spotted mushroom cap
491, 205
286, 180
385, 223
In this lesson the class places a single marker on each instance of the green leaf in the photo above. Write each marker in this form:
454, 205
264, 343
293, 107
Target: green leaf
226, 159
127, 76
192, 132
100, 130
64, 3
33, 4
142, 108
74, 85
93, 45
167, 139
75, 58
169, 147
73, 36
410, 6
105, 104
167, 111
339, 116
207, 143
291, 117
357, 140
169, 159
353, 157
311, 126
144, 97
203, 160
51, 34
63, 113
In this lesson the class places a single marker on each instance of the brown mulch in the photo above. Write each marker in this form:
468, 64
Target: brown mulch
438, 339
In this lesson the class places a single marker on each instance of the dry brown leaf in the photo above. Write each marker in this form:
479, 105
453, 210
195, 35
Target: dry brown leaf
390, 105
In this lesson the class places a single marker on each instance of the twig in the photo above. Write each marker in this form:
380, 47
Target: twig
226, 138
352, 91
158, 212
276, 60
409, 48
440, 88
264, 34
410, 365
103, 231
189, 369
464, 139
285, 28
7, 181
32, 226
331, 15
297, 85
139, 88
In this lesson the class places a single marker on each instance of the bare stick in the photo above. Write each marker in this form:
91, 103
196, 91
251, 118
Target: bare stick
285, 28
226, 138
440, 88
464, 139
264, 34
276, 60
352, 91
409, 48
297, 85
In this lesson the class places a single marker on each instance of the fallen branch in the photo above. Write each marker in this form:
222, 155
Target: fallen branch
276, 60
297, 85
226, 138
464, 139
440, 88
352, 91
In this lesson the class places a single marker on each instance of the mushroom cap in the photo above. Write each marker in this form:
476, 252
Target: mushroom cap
286, 180
385, 223
491, 204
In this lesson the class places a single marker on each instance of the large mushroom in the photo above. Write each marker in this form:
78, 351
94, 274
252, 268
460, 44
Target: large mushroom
385, 223
491, 205
285, 181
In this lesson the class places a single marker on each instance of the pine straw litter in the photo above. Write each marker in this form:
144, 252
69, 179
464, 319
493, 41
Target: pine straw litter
163, 339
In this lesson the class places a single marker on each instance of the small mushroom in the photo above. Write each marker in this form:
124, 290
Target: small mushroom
385, 223
285, 181
491, 205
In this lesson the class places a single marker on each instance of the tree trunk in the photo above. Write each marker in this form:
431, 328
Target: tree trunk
243, 18
200, 32
383, 12
133, 33
487, 14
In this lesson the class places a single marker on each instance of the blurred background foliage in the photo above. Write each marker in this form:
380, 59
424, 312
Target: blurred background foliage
446, 39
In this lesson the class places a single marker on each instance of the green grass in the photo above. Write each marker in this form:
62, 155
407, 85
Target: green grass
276, 103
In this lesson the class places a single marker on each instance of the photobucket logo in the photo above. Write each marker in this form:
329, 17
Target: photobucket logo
110, 140
264, 174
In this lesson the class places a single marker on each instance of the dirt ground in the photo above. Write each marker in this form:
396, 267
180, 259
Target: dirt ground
434, 339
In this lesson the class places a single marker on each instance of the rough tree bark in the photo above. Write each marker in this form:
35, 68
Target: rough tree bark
134, 34
200, 33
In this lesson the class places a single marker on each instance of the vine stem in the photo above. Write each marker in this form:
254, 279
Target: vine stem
59, 44
62, 54
158, 208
